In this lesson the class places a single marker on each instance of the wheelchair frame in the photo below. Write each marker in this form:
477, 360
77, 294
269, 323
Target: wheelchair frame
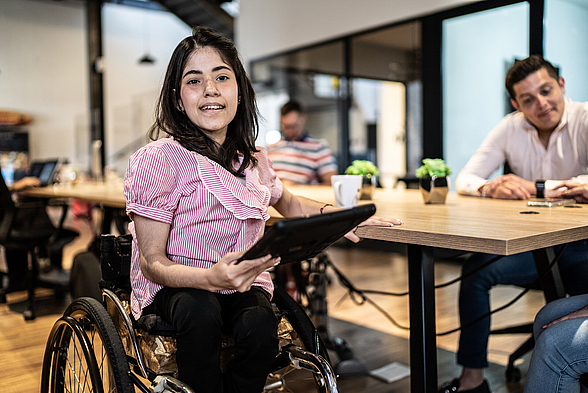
94, 347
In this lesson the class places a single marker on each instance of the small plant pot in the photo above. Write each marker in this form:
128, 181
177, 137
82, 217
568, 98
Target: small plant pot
434, 189
368, 184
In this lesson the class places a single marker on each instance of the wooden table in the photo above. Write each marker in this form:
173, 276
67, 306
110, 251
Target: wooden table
467, 224
462, 223
106, 194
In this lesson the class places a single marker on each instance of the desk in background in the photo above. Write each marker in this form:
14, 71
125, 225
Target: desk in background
108, 195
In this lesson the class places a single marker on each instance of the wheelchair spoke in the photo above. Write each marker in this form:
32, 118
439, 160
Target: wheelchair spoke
76, 380
109, 385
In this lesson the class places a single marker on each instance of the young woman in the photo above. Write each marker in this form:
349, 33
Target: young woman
198, 199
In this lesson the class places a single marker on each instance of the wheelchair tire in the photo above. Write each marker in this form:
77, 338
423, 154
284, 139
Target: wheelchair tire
295, 378
85, 353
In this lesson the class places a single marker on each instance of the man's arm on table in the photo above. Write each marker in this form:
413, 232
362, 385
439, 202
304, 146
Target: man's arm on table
472, 180
488, 158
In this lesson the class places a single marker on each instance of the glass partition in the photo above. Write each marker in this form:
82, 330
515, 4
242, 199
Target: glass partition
385, 68
566, 43
363, 91
477, 50
352, 86
311, 76
391, 54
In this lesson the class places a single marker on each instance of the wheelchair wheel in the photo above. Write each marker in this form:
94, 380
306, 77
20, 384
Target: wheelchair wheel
307, 368
84, 353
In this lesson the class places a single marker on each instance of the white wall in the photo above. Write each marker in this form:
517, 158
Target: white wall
266, 27
131, 89
43, 72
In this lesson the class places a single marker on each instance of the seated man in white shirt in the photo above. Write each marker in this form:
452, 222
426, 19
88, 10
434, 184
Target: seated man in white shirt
544, 139
544, 142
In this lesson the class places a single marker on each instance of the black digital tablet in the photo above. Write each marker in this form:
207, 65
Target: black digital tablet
298, 239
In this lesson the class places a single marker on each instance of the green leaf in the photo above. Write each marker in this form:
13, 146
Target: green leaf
433, 167
362, 167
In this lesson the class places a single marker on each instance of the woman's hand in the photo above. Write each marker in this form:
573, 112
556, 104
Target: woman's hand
228, 274
374, 221
581, 313
577, 191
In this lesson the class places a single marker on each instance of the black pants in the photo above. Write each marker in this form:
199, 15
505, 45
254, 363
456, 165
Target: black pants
200, 317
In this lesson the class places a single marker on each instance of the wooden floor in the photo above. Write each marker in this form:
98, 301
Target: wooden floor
373, 338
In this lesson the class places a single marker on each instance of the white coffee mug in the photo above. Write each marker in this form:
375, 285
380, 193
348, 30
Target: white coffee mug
347, 189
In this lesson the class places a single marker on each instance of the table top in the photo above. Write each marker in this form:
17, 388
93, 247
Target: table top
467, 223
107, 194
462, 223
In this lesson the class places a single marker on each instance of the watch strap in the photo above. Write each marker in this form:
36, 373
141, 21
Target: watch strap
540, 188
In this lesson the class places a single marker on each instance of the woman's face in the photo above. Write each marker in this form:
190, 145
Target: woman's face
209, 92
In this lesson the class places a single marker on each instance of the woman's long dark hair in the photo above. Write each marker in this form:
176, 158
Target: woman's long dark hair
172, 120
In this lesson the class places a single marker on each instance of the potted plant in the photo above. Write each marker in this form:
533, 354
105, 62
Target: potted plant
369, 172
433, 180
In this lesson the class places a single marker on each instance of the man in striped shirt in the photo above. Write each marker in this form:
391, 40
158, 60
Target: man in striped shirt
298, 158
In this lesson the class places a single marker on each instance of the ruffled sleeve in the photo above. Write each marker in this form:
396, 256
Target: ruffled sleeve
267, 176
150, 185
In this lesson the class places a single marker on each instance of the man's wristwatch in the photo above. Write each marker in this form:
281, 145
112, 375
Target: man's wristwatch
540, 188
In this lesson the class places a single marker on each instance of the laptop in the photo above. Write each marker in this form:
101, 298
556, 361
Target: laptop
44, 171
298, 239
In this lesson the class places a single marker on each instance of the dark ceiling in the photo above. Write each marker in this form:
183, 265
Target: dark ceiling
201, 12
192, 12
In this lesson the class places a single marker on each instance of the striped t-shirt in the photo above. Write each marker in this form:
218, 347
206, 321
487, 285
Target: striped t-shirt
302, 161
210, 211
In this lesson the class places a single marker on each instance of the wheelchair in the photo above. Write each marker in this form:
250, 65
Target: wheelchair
99, 347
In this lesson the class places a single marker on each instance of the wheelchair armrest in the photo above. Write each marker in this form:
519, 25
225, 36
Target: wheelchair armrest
154, 324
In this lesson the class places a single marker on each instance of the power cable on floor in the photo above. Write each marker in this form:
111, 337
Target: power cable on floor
359, 297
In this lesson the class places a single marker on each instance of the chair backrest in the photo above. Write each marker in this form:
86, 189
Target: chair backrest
507, 170
115, 262
6, 209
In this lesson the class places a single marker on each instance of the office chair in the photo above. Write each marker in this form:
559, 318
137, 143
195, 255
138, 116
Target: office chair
25, 226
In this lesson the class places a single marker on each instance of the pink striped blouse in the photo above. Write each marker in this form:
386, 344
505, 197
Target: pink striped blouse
210, 211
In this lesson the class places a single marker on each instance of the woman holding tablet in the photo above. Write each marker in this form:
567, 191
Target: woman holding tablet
198, 200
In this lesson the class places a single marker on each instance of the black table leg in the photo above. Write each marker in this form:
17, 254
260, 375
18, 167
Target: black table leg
551, 283
423, 342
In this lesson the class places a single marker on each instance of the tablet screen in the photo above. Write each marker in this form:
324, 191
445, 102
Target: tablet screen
298, 239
